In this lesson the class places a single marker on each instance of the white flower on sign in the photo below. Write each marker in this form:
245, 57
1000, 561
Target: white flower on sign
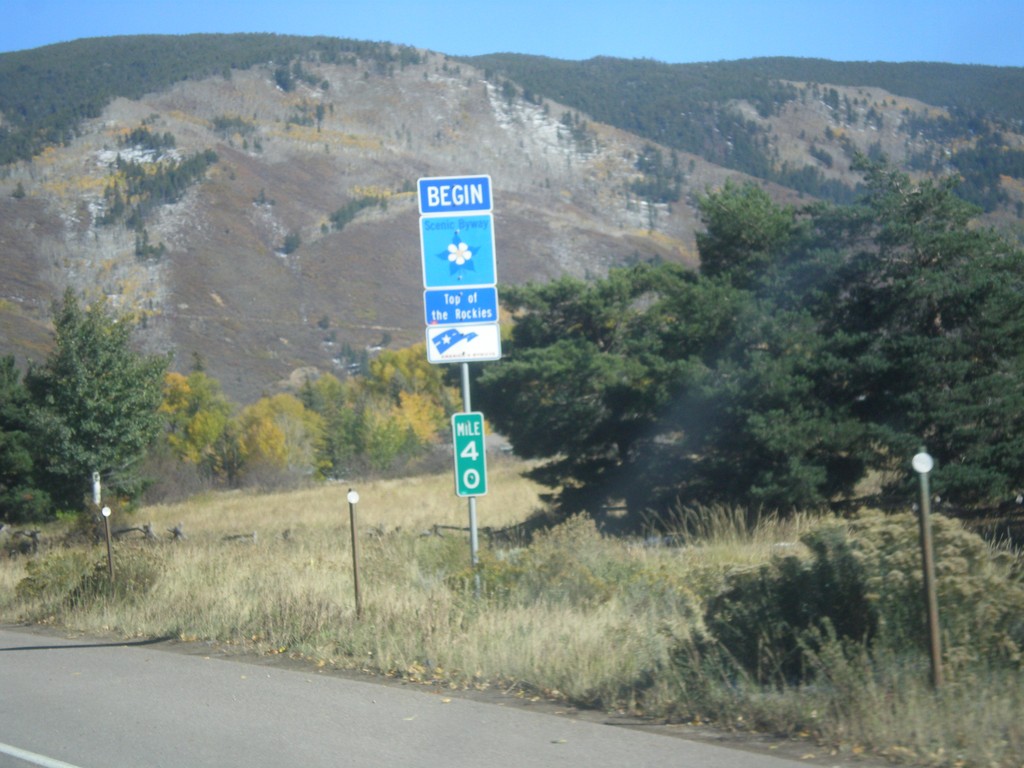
459, 253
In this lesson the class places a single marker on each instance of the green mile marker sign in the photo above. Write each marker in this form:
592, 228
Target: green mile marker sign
470, 456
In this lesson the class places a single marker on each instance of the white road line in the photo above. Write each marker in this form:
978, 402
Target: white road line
32, 757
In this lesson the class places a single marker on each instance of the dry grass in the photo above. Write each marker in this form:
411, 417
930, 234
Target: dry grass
411, 505
602, 622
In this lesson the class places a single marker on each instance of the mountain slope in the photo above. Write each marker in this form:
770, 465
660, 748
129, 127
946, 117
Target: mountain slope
295, 245
222, 287
943, 109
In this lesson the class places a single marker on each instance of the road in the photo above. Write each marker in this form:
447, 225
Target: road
93, 704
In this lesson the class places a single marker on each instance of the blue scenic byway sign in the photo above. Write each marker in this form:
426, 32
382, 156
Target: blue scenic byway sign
454, 194
457, 251
456, 306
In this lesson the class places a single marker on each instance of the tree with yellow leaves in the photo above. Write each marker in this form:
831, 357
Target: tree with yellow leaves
279, 433
422, 414
407, 370
197, 414
396, 410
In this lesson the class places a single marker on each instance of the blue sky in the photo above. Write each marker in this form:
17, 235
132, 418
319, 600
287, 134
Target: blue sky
986, 32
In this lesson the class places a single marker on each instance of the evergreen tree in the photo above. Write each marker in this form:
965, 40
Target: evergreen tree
812, 347
343, 433
587, 375
933, 326
745, 233
97, 403
20, 498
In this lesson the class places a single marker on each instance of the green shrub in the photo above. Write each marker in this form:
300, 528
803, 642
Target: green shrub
765, 616
58, 579
981, 598
75, 578
565, 564
862, 582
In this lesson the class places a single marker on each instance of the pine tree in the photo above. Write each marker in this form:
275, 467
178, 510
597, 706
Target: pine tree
812, 347
934, 329
20, 498
97, 403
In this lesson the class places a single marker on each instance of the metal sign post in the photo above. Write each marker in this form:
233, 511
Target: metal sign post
353, 499
474, 542
97, 499
110, 555
923, 464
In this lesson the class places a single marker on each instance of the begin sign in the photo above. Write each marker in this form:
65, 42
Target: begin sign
454, 194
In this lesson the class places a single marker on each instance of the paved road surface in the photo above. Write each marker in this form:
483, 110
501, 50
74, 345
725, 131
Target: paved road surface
89, 704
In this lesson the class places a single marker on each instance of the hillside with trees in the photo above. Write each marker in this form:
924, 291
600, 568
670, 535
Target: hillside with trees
46, 93
693, 108
297, 173
754, 283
